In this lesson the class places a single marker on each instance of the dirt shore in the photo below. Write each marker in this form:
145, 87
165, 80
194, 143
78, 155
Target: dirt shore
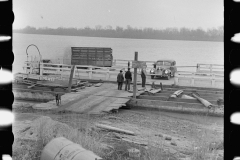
172, 135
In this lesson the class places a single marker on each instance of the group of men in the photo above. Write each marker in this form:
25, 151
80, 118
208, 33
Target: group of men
128, 79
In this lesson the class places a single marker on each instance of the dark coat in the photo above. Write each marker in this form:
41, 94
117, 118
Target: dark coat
120, 77
128, 75
143, 74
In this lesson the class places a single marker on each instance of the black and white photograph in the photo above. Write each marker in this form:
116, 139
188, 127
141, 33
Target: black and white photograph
118, 79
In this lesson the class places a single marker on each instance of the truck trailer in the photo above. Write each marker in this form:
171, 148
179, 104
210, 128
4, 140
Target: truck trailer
92, 56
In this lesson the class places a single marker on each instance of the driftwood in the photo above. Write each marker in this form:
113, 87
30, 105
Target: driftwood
134, 141
153, 91
177, 93
115, 129
31, 86
98, 84
203, 101
187, 97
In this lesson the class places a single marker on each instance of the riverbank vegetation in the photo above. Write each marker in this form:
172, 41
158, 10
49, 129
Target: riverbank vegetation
214, 34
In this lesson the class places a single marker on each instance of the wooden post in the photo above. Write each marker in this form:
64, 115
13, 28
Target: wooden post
31, 67
213, 80
90, 73
211, 68
70, 79
108, 74
192, 79
74, 72
41, 69
135, 77
176, 79
197, 68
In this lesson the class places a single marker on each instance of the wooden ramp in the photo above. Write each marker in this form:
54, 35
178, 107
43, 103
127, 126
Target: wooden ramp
91, 100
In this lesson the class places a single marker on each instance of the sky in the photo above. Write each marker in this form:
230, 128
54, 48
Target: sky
157, 14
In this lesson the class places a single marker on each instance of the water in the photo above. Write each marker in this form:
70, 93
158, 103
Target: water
186, 53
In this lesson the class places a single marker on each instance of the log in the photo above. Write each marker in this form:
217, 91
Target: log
114, 129
176, 93
32, 86
155, 91
203, 101
134, 141
98, 84
187, 97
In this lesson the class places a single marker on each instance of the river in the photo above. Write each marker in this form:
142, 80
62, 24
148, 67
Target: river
186, 53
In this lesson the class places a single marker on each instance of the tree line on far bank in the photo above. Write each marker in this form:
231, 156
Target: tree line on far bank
214, 34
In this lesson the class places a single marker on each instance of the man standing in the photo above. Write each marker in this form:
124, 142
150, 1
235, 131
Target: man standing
120, 80
143, 75
128, 77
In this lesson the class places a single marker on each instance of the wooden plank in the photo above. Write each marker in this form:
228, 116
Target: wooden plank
191, 87
98, 84
213, 97
194, 90
175, 107
32, 86
115, 129
154, 91
85, 104
172, 99
104, 103
189, 92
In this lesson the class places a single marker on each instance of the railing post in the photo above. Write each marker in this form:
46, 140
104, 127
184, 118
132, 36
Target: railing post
74, 72
90, 73
192, 80
176, 79
58, 70
213, 80
41, 69
70, 78
31, 68
210, 68
108, 74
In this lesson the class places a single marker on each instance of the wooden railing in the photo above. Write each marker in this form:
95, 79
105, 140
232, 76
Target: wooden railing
62, 71
213, 80
210, 68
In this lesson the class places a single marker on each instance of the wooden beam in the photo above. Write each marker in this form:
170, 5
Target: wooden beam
165, 98
208, 97
70, 79
135, 77
115, 129
174, 107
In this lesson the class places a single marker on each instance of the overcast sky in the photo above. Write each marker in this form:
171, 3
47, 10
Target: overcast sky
156, 14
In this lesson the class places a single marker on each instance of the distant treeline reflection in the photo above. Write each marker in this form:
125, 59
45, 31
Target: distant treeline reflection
214, 34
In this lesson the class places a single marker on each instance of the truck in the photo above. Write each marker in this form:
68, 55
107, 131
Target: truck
92, 56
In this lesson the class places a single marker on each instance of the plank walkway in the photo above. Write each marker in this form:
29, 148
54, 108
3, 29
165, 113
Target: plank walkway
91, 100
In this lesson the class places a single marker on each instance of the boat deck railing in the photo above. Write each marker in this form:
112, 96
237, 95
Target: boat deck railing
189, 78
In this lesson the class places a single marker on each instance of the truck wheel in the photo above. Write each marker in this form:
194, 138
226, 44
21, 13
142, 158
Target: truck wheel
152, 77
